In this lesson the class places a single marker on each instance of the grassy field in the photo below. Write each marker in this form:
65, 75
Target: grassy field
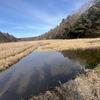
85, 87
59, 45
10, 53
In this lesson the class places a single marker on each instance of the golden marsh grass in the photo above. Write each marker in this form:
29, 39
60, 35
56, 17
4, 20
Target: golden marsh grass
10, 53
59, 45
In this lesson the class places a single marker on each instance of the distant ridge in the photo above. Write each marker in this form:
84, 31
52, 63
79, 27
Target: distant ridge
6, 37
83, 24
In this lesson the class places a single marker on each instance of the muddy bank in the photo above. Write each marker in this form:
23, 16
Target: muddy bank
84, 87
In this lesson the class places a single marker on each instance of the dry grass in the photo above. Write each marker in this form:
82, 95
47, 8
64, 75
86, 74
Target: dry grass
84, 87
10, 53
58, 45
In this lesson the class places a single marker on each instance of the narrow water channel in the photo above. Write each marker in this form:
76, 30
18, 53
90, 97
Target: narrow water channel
35, 74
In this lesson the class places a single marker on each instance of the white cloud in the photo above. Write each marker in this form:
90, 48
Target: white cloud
25, 9
25, 27
47, 17
34, 17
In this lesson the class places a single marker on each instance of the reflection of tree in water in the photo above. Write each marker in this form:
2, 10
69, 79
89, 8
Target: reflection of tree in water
5, 78
45, 77
11, 92
90, 56
32, 87
50, 81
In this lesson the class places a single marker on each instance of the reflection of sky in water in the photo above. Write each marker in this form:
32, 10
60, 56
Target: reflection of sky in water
36, 73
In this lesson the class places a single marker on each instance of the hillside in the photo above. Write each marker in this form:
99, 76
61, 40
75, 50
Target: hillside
85, 23
83, 87
26, 39
88, 25
5, 37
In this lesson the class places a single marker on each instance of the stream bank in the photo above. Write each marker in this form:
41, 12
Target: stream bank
84, 87
35, 74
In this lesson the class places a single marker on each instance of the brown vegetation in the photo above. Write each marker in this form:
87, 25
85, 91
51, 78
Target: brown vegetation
10, 53
59, 45
84, 87
6, 37
85, 23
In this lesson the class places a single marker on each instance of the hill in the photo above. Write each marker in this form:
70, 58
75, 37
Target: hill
83, 24
5, 37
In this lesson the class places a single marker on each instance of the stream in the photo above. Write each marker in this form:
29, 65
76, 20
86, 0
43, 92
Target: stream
35, 74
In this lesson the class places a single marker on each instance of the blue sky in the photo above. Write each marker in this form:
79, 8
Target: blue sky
26, 18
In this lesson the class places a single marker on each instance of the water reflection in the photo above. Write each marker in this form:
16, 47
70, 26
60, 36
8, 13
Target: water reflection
35, 74
89, 58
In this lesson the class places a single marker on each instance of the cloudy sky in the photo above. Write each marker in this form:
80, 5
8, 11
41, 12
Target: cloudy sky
26, 18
